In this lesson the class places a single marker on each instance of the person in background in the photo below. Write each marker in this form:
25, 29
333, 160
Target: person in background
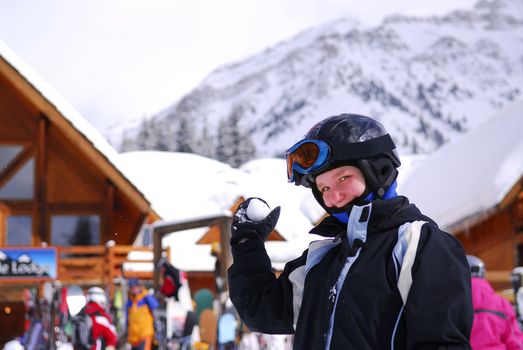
170, 279
216, 251
495, 325
384, 277
516, 278
143, 323
33, 337
103, 332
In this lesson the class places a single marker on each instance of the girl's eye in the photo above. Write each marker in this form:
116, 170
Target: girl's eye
324, 189
343, 178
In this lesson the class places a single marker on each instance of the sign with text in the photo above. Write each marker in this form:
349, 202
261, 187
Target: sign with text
28, 263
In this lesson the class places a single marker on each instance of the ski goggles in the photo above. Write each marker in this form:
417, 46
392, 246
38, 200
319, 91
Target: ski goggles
310, 156
306, 156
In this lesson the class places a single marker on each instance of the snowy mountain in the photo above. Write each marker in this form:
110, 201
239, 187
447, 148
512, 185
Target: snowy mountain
428, 80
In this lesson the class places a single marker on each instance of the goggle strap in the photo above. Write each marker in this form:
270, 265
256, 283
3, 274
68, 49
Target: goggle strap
363, 150
351, 151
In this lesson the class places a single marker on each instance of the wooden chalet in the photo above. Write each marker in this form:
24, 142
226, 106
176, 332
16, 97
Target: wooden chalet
60, 192
496, 236
473, 188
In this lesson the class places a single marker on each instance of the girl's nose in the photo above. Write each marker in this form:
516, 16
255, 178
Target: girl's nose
335, 198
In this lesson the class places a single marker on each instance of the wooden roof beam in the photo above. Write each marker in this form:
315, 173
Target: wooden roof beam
73, 134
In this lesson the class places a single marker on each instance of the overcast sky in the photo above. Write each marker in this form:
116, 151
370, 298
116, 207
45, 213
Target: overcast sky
122, 60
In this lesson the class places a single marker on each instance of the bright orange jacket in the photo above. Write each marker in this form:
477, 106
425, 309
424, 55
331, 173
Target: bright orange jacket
140, 320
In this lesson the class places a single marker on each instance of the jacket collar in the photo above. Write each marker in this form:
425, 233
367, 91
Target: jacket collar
382, 215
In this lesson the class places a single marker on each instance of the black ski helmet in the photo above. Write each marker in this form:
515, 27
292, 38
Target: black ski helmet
354, 140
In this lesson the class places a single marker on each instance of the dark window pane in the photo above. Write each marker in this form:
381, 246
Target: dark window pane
75, 230
19, 230
7, 154
21, 185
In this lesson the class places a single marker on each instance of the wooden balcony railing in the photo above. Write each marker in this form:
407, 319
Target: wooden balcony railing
101, 265
89, 265
82, 264
500, 281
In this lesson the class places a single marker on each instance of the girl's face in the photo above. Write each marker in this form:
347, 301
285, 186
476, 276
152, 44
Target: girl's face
340, 186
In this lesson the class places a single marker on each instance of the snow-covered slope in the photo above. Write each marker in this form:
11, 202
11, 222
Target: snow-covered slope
428, 80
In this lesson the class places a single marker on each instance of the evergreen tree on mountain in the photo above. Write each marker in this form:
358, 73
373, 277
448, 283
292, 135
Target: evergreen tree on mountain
184, 137
205, 144
145, 135
224, 141
234, 145
153, 134
162, 139
128, 143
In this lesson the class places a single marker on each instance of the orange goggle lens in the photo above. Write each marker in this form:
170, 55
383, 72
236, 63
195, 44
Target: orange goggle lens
305, 156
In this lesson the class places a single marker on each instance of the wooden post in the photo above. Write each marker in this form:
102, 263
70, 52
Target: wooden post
226, 256
108, 214
160, 229
40, 225
157, 250
110, 268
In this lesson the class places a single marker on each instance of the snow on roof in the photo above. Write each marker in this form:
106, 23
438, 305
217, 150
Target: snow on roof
268, 180
472, 174
184, 186
65, 108
181, 185
409, 163
186, 255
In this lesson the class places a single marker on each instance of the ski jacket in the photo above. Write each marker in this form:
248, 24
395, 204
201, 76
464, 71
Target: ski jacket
103, 332
140, 317
342, 293
495, 325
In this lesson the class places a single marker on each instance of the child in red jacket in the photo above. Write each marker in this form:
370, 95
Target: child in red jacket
103, 332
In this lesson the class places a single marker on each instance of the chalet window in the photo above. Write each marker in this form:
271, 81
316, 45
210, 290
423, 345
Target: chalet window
7, 154
519, 251
21, 185
19, 229
147, 237
69, 230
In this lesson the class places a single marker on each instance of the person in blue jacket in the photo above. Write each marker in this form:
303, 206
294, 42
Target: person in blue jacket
384, 277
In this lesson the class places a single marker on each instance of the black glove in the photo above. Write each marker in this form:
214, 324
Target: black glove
243, 228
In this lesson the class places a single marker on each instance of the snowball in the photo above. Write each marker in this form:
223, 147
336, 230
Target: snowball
257, 210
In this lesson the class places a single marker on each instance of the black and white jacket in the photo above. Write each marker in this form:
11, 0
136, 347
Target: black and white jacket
371, 284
